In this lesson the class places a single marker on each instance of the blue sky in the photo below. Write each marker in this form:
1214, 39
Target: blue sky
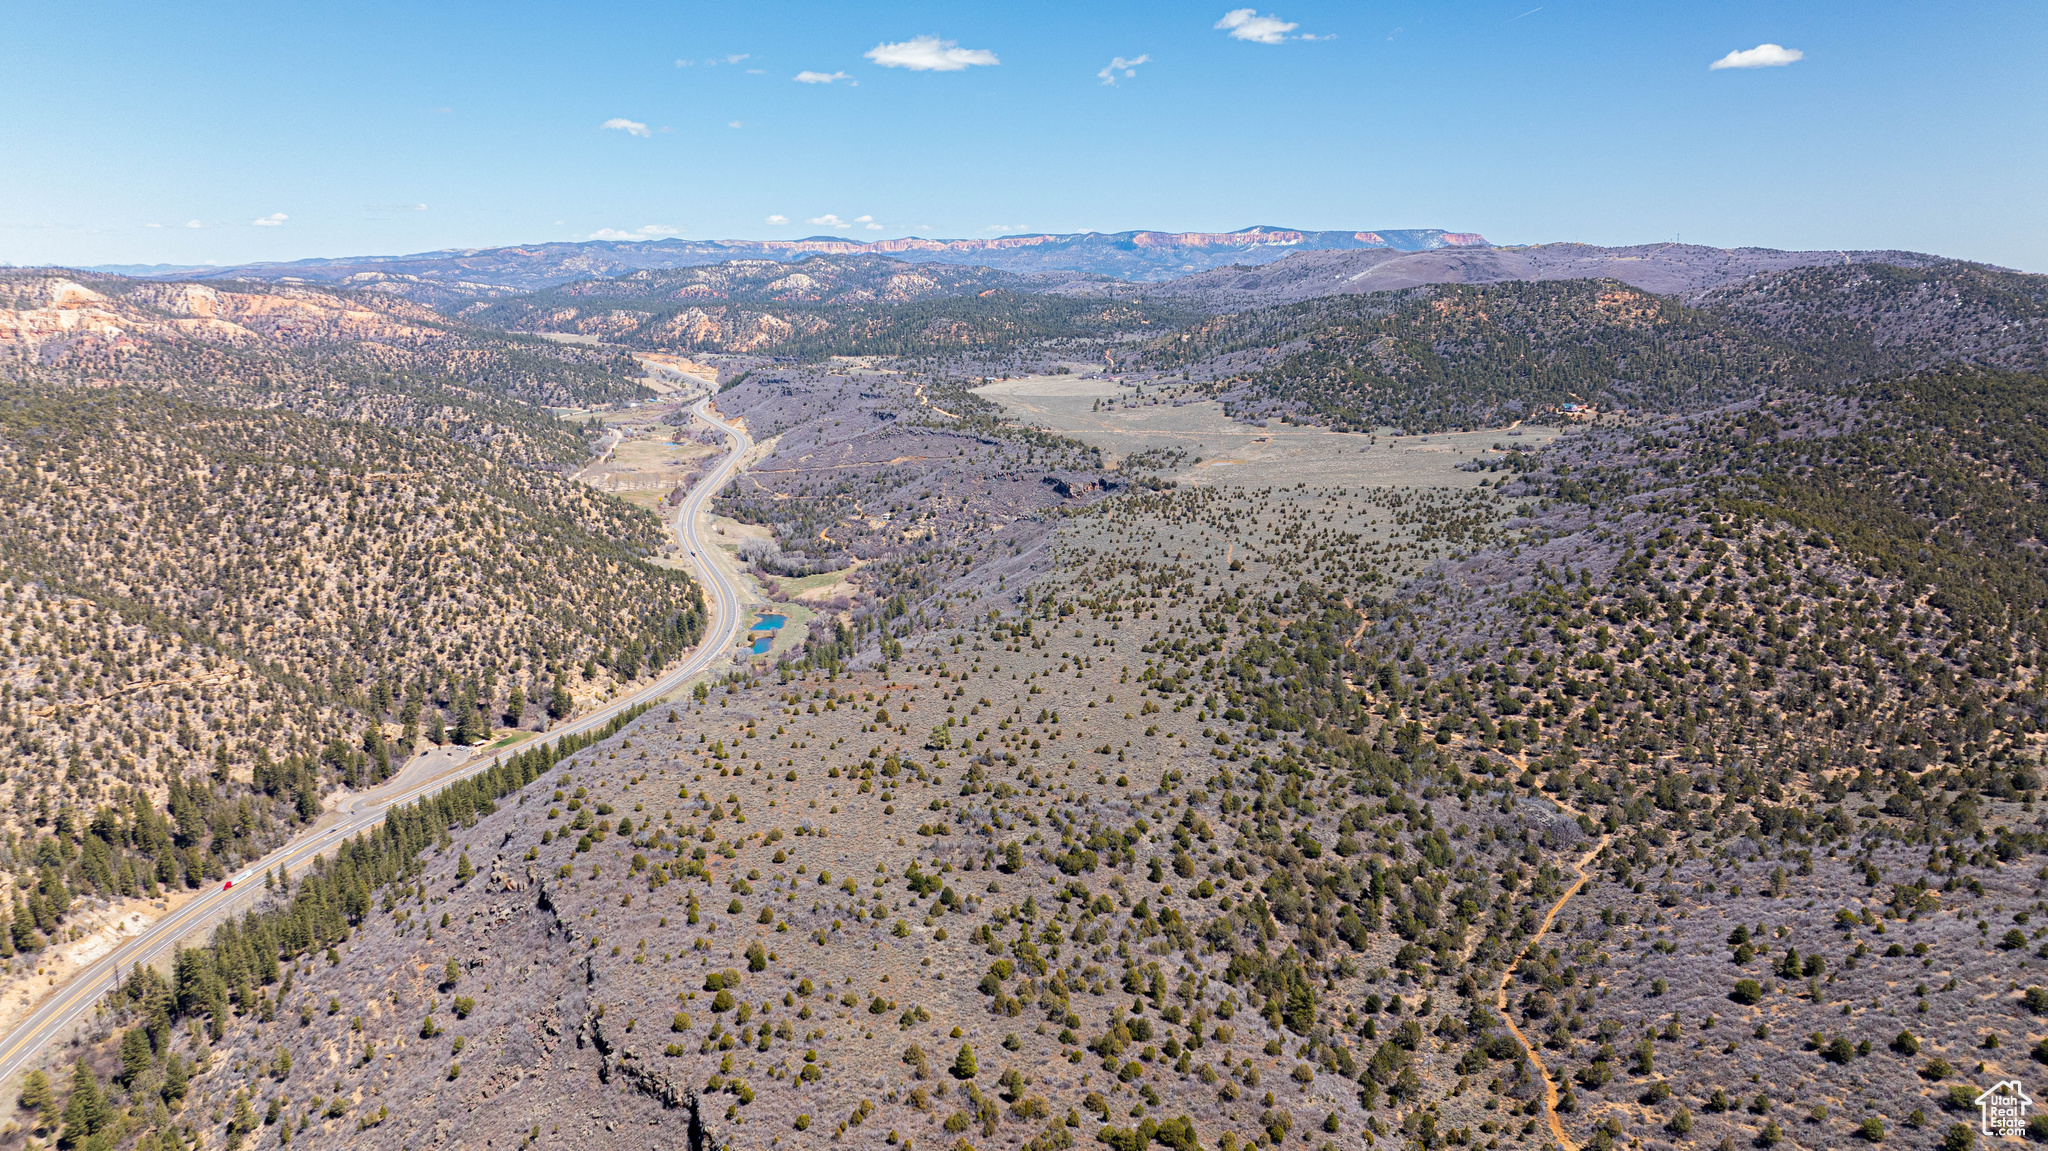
165, 133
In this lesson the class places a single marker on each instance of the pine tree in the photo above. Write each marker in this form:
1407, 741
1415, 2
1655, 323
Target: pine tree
964, 1066
35, 1092
86, 1111
176, 1078
135, 1055
24, 929
472, 729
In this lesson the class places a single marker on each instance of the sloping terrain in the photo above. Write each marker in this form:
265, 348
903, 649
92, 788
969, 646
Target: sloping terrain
336, 355
811, 280
1675, 783
1425, 359
989, 321
444, 276
733, 306
251, 608
914, 479
1664, 269
1867, 321
1213, 837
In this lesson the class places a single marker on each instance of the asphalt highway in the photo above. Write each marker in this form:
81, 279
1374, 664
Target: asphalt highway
424, 774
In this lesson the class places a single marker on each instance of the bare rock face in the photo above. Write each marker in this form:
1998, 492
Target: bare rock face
47, 312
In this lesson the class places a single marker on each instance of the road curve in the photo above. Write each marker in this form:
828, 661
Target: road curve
78, 995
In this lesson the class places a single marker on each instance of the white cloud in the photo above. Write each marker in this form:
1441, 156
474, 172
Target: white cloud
778, 219
867, 222
1247, 24
737, 58
685, 63
735, 124
829, 220
273, 220
1004, 228
629, 127
643, 232
930, 54
194, 224
396, 208
820, 77
1761, 56
152, 225
1128, 67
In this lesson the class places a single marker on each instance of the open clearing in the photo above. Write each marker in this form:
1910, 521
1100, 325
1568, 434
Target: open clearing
1221, 450
650, 461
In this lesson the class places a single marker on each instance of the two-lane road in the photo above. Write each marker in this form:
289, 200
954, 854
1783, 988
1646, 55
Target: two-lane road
426, 773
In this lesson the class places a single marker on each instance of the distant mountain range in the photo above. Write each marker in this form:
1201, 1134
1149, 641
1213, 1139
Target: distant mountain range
1144, 256
1666, 269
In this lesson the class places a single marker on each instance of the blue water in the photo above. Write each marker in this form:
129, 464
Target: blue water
766, 623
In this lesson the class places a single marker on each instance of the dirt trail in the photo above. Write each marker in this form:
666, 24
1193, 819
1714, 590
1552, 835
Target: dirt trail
1500, 994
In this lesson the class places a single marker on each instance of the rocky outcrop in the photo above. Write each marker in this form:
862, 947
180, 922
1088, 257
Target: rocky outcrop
42, 314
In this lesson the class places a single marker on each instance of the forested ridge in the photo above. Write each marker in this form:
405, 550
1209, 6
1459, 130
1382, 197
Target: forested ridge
230, 612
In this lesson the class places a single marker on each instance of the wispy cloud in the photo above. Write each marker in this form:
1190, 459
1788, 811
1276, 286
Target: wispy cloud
194, 224
1761, 56
999, 228
629, 127
778, 219
930, 54
273, 220
829, 220
395, 208
867, 222
821, 77
1129, 68
1247, 24
735, 123
643, 232
737, 57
